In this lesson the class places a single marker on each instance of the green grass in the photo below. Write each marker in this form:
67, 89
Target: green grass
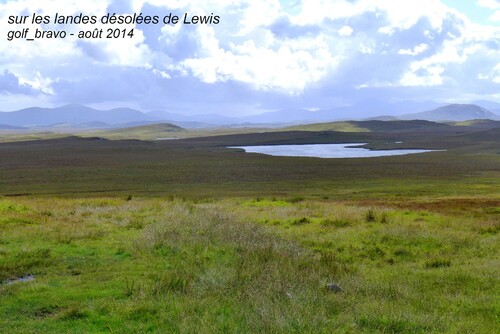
154, 131
188, 236
333, 126
6, 206
171, 265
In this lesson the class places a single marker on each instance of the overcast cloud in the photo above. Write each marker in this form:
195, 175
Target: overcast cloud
262, 55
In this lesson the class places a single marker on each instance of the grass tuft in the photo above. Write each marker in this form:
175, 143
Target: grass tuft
300, 221
438, 263
336, 222
370, 216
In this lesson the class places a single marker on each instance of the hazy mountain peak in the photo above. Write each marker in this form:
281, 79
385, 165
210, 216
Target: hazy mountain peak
454, 112
71, 114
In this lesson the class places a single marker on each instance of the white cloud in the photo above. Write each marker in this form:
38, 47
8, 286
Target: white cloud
404, 16
287, 66
496, 73
492, 4
38, 82
495, 17
431, 76
415, 51
261, 49
345, 31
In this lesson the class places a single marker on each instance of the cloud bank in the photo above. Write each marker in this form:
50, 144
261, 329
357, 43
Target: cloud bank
262, 55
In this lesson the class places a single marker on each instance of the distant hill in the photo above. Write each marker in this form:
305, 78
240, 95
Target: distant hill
70, 114
153, 131
371, 126
194, 120
83, 118
370, 108
80, 117
382, 118
453, 112
492, 106
10, 127
330, 126
479, 123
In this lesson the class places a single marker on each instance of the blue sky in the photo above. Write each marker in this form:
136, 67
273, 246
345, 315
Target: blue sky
264, 55
477, 11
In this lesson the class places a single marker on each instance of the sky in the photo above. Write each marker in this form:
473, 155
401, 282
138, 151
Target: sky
263, 55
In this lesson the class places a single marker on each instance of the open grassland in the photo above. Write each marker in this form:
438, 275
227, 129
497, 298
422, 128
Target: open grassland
129, 265
200, 167
189, 236
145, 132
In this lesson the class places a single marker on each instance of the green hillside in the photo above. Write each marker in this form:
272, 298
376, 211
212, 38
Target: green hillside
369, 126
147, 132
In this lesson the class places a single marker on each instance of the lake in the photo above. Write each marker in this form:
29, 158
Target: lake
326, 150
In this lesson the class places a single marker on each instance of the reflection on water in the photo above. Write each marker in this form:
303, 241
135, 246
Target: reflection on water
326, 151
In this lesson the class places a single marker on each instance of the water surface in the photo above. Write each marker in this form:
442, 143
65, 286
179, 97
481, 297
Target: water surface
326, 150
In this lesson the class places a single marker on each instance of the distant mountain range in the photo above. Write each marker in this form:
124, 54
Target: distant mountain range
361, 110
74, 116
453, 112
10, 127
71, 114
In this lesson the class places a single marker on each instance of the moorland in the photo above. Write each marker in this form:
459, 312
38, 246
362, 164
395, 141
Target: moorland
113, 231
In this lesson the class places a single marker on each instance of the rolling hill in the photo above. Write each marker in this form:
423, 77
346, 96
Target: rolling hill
75, 116
372, 126
10, 127
153, 131
453, 112
70, 114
